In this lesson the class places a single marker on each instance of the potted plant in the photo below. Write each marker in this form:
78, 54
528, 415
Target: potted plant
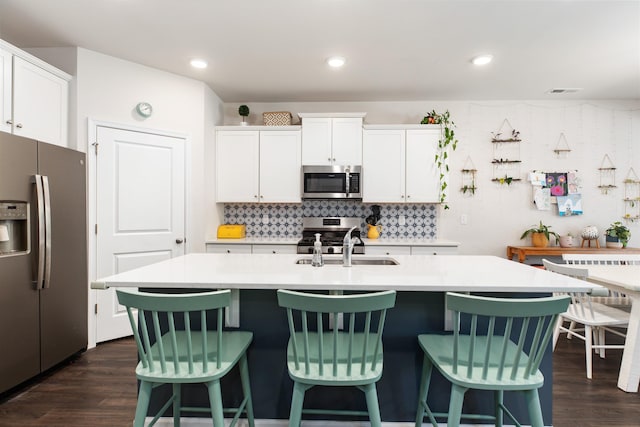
447, 142
617, 235
540, 235
243, 110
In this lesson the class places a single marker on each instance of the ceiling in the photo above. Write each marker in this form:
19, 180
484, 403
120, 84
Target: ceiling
396, 50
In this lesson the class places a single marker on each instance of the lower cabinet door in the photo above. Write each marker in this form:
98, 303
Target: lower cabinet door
214, 248
387, 250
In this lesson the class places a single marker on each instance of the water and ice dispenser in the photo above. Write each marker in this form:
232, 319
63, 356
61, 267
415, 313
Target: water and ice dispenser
14, 228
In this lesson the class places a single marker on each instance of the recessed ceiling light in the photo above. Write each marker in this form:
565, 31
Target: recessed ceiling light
336, 61
482, 59
199, 63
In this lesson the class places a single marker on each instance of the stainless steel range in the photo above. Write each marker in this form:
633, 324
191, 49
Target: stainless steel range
332, 231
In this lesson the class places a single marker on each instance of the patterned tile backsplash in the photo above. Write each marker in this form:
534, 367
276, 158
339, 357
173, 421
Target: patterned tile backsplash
285, 220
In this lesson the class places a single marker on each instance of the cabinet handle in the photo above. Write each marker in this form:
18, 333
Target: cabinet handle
228, 251
19, 125
179, 241
255, 196
328, 159
273, 252
9, 122
409, 196
334, 159
261, 196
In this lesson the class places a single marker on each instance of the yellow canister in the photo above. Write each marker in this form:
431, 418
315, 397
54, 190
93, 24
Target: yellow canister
232, 231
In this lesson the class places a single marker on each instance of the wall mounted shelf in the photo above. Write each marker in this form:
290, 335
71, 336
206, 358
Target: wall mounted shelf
562, 147
631, 196
607, 175
469, 170
506, 154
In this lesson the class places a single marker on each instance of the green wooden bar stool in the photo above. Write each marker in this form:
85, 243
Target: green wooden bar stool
502, 352
186, 355
320, 355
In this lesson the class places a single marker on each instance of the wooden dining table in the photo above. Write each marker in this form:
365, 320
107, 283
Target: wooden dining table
625, 279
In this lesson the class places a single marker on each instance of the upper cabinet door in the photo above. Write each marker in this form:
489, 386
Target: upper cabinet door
40, 101
422, 173
383, 166
316, 141
5, 91
237, 157
347, 141
280, 166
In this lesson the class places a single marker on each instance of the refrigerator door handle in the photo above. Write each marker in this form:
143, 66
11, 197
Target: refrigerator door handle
47, 227
39, 267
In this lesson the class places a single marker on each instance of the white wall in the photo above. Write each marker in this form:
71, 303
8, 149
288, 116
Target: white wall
497, 215
108, 89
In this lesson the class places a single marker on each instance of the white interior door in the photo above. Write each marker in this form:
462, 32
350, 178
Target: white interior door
140, 205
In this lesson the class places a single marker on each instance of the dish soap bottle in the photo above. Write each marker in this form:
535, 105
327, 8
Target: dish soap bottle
317, 261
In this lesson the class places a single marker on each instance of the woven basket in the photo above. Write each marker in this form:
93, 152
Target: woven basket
277, 118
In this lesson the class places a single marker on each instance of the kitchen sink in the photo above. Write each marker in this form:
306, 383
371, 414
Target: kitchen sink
354, 261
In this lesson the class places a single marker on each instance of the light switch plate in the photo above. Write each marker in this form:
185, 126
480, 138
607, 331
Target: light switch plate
265, 219
401, 220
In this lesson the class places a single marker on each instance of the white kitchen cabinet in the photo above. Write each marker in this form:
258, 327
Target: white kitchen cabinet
6, 91
280, 165
35, 97
387, 250
434, 250
237, 166
274, 249
228, 248
332, 140
398, 164
258, 166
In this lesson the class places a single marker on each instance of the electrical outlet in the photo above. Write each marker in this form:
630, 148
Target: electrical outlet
401, 220
265, 219
464, 219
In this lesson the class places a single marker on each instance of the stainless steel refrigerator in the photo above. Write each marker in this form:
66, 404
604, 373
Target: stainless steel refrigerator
43, 257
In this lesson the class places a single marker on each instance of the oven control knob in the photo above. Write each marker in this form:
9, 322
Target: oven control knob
330, 250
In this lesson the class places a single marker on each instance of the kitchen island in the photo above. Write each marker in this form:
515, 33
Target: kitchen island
421, 282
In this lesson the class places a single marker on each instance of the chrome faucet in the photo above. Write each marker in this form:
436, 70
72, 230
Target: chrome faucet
347, 248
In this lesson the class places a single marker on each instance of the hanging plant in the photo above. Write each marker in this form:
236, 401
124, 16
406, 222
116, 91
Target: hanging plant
446, 143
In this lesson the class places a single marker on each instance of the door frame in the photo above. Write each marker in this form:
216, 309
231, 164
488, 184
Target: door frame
92, 130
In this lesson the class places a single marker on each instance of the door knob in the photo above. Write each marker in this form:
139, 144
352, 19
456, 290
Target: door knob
179, 241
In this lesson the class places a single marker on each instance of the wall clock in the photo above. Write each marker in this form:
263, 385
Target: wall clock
144, 109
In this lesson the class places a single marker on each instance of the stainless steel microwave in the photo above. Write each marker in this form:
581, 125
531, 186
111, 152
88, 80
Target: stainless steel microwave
332, 182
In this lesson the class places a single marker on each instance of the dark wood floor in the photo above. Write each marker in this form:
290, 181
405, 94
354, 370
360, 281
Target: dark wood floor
98, 388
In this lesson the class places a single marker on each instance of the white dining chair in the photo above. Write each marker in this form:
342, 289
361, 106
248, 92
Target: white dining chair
595, 318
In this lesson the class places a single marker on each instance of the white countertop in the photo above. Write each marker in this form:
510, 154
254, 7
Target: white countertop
367, 242
414, 273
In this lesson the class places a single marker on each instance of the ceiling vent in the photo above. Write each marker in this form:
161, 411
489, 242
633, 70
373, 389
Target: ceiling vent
564, 90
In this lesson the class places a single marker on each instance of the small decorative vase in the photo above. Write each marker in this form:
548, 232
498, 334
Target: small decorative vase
590, 232
374, 231
566, 241
539, 240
